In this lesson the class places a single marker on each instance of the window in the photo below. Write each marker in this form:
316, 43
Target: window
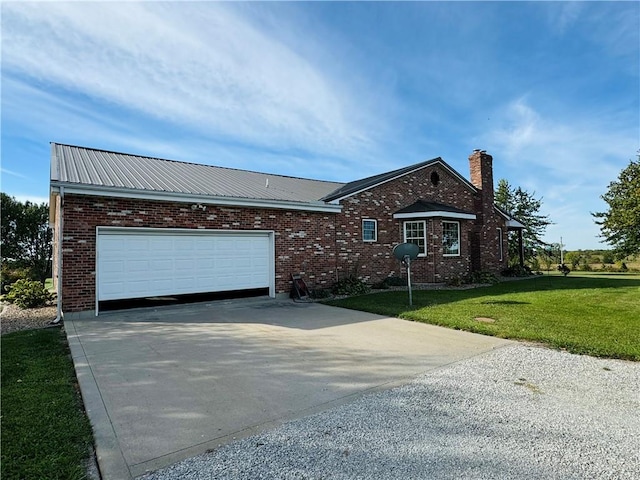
500, 245
416, 232
451, 238
370, 230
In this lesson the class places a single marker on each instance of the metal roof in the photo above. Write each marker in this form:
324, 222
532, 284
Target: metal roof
73, 165
423, 206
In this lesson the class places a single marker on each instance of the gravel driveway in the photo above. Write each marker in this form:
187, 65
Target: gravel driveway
518, 412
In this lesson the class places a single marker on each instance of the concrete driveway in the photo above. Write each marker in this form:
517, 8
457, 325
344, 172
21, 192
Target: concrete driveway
164, 384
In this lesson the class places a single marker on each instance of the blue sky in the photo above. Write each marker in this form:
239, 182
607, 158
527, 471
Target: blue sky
332, 90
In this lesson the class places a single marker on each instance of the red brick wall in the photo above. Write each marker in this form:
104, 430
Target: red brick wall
320, 246
374, 261
304, 241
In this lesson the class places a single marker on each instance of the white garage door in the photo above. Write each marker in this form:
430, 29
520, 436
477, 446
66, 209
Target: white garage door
135, 264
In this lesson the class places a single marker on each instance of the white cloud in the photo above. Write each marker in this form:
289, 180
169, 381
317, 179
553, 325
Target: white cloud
564, 15
12, 173
199, 65
579, 148
567, 161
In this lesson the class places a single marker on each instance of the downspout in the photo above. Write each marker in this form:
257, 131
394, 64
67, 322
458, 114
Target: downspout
59, 248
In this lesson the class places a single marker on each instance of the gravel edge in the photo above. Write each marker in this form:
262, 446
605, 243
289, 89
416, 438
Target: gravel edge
521, 411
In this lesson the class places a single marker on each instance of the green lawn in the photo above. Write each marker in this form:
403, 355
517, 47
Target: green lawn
594, 315
45, 433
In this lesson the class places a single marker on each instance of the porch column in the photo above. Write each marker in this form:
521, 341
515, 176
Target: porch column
520, 248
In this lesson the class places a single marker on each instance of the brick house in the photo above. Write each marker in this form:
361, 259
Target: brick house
127, 226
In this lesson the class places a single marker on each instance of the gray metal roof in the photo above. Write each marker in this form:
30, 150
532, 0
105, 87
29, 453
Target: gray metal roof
72, 165
425, 206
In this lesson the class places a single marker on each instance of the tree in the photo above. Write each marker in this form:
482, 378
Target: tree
26, 236
526, 209
620, 224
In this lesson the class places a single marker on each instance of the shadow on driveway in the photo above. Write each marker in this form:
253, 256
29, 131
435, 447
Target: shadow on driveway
161, 385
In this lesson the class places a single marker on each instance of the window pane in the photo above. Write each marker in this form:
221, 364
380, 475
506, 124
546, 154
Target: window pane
369, 230
451, 238
414, 232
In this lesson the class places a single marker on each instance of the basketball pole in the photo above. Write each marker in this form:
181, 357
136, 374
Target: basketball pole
407, 260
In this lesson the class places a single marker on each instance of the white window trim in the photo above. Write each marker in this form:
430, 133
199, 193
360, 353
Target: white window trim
451, 254
375, 230
404, 233
501, 244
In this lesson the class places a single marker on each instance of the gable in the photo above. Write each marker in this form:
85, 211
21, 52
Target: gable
359, 186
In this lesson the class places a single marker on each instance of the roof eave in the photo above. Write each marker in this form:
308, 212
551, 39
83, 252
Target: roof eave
510, 221
432, 214
118, 192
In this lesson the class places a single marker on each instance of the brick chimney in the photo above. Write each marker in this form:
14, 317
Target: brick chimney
483, 236
481, 166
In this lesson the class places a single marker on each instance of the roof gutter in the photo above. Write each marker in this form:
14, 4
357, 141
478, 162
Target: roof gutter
194, 198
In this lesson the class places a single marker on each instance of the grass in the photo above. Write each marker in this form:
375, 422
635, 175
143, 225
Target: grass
596, 315
45, 433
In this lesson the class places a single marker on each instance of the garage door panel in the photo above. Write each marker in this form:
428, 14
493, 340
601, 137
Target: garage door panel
132, 265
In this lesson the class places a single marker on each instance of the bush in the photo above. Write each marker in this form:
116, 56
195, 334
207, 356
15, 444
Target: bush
319, 293
390, 282
350, 286
483, 277
516, 271
456, 281
11, 275
396, 281
28, 294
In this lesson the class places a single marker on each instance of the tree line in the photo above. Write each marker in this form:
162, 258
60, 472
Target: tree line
26, 240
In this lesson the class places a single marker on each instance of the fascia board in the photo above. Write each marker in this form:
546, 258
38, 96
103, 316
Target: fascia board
204, 199
463, 216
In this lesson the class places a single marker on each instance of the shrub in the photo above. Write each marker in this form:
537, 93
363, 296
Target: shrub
11, 275
456, 281
28, 294
395, 281
516, 271
483, 277
319, 293
380, 286
350, 286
